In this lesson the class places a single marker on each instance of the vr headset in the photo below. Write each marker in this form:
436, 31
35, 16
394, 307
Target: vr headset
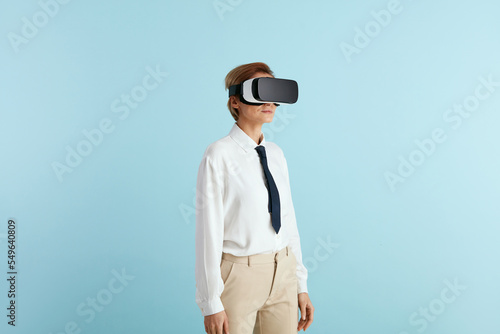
257, 91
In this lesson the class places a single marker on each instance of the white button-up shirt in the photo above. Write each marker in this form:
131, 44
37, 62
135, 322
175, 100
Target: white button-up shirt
232, 212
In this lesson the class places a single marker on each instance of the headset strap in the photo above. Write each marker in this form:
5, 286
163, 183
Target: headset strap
235, 89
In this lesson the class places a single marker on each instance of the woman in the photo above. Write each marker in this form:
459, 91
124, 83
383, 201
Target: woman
249, 272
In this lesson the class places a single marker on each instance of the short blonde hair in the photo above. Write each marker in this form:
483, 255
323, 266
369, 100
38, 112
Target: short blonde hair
241, 73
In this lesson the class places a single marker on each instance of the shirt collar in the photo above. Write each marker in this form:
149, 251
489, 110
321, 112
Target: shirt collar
244, 140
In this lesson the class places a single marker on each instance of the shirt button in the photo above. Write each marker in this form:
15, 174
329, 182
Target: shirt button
278, 236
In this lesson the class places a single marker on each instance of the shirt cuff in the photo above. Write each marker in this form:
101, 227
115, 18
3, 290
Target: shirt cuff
212, 306
301, 286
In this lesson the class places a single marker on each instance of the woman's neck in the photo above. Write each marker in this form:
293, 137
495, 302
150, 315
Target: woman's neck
254, 130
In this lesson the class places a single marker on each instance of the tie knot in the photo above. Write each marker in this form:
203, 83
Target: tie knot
261, 150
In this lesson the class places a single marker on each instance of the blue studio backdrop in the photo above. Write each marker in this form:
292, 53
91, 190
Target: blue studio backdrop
107, 107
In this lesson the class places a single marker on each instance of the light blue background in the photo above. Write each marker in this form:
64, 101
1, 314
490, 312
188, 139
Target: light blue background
129, 205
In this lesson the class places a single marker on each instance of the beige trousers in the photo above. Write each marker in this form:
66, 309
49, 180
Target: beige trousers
260, 293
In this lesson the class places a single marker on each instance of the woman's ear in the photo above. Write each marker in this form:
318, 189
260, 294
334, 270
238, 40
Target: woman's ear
234, 102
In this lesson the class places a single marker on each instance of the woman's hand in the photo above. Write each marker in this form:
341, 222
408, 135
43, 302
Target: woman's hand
306, 310
217, 323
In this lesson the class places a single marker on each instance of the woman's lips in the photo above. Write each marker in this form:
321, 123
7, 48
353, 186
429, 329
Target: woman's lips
267, 111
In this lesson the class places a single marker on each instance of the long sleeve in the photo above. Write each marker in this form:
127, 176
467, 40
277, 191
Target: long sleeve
294, 242
209, 237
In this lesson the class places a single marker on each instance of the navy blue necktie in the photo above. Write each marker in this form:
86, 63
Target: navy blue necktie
274, 197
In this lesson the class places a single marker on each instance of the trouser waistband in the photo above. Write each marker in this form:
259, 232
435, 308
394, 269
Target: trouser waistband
257, 258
